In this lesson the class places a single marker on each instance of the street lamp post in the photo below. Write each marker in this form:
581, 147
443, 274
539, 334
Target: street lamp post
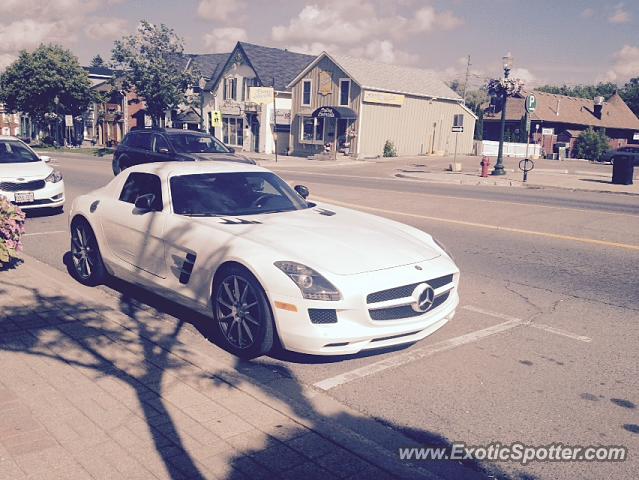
499, 165
56, 101
202, 85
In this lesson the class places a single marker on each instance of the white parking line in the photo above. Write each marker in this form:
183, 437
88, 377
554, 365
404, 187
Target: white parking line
43, 233
416, 354
559, 331
419, 353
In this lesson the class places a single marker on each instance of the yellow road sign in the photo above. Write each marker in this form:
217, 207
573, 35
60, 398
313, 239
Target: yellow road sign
216, 119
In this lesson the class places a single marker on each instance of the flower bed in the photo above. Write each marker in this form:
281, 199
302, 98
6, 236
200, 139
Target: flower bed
11, 230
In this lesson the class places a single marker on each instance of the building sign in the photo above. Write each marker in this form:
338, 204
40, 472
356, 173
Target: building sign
282, 116
325, 112
216, 119
230, 107
261, 95
383, 97
325, 83
531, 103
547, 131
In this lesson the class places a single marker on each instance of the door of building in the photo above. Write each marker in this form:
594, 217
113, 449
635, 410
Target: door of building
255, 133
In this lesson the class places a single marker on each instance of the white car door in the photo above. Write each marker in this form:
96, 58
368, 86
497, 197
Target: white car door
135, 235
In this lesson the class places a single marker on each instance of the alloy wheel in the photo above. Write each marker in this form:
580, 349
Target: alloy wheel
238, 311
83, 251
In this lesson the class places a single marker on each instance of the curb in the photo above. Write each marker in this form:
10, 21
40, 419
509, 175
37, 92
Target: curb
312, 409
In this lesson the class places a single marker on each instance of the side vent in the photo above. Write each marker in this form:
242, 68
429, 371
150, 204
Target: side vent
187, 268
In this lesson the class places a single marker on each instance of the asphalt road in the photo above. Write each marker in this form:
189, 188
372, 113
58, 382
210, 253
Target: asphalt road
543, 348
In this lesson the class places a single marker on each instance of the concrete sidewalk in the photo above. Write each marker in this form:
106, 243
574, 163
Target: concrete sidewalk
578, 180
101, 386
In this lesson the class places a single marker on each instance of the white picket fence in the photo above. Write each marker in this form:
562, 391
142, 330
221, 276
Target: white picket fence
489, 148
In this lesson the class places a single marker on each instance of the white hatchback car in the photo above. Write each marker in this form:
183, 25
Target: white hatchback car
235, 242
25, 178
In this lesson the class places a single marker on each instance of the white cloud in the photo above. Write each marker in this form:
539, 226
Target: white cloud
524, 74
102, 28
224, 39
360, 28
625, 65
27, 33
6, 59
220, 10
619, 14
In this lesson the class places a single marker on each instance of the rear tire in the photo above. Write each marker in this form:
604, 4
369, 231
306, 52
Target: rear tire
243, 318
86, 260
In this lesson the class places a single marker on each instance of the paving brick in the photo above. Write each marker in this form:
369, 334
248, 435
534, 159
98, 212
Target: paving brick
9, 469
252, 441
228, 426
284, 430
278, 458
342, 464
42, 460
312, 445
309, 471
205, 411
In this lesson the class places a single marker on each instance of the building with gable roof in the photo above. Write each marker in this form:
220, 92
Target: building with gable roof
245, 89
558, 120
353, 106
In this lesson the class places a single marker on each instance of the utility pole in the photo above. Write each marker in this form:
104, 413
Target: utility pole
466, 82
274, 121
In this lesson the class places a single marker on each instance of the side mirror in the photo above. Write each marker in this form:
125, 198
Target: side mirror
145, 202
45, 158
231, 149
302, 191
163, 150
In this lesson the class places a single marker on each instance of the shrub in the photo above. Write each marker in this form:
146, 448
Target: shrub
389, 149
11, 229
592, 144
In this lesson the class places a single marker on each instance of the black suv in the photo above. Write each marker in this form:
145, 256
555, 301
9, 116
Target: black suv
169, 145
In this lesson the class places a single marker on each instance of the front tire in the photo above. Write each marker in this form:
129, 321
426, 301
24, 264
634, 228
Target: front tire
243, 318
86, 261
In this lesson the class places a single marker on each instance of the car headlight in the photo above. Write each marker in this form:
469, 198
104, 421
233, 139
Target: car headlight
54, 177
443, 248
312, 285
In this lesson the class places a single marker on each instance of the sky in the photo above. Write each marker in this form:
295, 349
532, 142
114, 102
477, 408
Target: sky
558, 42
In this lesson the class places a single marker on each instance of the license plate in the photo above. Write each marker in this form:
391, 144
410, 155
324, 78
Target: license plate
24, 197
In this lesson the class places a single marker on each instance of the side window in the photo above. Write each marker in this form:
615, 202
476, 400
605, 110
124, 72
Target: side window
145, 141
160, 143
138, 184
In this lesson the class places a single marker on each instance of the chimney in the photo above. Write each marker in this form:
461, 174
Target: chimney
598, 106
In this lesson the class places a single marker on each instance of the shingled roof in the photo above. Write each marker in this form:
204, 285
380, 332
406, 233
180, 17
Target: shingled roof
389, 78
570, 110
270, 64
207, 64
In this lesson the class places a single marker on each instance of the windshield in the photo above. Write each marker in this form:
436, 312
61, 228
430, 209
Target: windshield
191, 143
12, 151
233, 194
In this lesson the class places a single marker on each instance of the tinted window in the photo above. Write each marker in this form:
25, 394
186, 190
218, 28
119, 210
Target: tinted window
193, 143
138, 184
160, 142
233, 194
15, 152
140, 140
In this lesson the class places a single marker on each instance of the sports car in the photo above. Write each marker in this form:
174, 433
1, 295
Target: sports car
262, 261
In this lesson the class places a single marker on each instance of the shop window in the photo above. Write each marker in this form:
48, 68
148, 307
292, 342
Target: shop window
233, 131
312, 130
344, 92
307, 91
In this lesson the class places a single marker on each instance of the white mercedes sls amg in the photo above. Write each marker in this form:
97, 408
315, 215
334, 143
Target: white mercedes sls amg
235, 242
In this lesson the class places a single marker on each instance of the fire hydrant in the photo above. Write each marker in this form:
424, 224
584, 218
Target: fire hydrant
485, 163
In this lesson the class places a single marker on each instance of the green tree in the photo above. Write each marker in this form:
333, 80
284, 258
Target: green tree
148, 60
389, 149
97, 61
592, 144
630, 94
604, 89
35, 79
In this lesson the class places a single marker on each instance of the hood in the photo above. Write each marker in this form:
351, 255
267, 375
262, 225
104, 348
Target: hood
340, 241
222, 157
24, 170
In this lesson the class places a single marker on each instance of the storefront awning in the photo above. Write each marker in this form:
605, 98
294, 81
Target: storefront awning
335, 112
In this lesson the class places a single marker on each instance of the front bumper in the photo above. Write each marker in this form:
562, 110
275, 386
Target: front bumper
355, 330
51, 196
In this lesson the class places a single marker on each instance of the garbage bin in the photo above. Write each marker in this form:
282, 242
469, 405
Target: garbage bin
623, 170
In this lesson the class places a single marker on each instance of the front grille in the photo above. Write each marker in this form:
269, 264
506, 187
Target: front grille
22, 187
44, 201
405, 311
406, 290
322, 315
